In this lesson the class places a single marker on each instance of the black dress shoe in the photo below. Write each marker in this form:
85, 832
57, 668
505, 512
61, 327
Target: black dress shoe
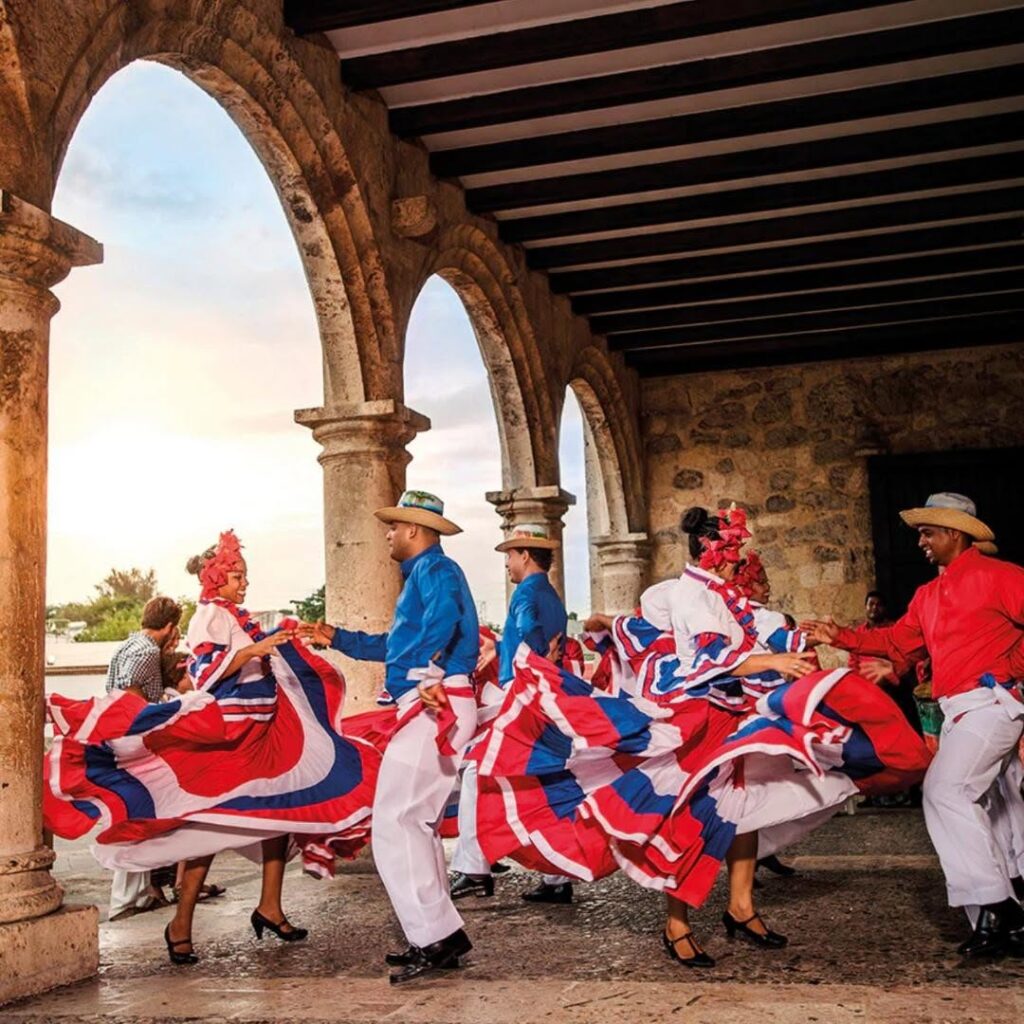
500, 868
769, 940
400, 959
461, 885
545, 893
773, 864
1018, 887
697, 958
989, 936
438, 956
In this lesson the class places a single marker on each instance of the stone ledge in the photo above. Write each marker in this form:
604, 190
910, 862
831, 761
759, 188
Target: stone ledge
46, 952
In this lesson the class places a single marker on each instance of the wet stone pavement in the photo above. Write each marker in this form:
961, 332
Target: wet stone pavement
871, 939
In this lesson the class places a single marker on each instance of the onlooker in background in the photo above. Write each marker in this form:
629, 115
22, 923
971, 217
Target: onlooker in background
136, 666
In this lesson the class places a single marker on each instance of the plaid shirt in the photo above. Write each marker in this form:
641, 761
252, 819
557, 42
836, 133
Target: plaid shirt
137, 663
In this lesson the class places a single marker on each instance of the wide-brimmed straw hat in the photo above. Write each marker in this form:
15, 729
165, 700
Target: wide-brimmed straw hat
952, 511
528, 535
986, 547
421, 508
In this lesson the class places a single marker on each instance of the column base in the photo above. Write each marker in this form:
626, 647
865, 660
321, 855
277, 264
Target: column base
46, 952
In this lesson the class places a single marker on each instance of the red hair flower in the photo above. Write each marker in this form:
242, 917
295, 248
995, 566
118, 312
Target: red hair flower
226, 558
748, 572
732, 533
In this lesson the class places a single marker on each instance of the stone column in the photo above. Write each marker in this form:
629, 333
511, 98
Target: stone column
623, 563
542, 505
364, 458
41, 944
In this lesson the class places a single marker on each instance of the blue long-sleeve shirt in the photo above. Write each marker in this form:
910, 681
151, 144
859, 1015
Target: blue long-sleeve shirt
435, 621
535, 615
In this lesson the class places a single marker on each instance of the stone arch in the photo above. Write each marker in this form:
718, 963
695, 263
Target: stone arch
616, 509
527, 423
616, 441
243, 64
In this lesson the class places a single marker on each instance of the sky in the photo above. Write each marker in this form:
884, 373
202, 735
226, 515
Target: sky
177, 363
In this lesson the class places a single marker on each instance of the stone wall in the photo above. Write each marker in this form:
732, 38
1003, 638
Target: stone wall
790, 444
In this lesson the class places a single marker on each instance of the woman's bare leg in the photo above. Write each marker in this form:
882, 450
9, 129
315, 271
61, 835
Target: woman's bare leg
192, 877
741, 861
275, 852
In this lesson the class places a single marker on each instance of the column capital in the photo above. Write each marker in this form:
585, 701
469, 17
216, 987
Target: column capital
628, 547
354, 429
517, 505
38, 250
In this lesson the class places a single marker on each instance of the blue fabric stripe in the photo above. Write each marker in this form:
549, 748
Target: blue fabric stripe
101, 769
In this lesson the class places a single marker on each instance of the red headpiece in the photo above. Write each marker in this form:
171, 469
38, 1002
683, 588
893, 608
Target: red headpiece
732, 532
748, 572
227, 557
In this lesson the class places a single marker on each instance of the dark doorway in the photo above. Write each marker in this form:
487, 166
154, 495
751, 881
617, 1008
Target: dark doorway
991, 477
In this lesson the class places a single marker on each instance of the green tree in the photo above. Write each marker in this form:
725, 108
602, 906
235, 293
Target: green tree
134, 583
312, 608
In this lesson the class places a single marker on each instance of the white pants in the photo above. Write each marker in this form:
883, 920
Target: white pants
412, 789
972, 817
129, 890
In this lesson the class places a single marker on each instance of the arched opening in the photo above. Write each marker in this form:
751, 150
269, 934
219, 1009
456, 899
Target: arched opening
460, 457
178, 363
575, 448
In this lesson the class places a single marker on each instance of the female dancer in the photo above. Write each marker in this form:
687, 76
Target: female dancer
252, 760
667, 790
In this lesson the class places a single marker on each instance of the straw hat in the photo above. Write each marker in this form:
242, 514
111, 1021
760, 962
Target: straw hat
421, 508
986, 547
952, 511
528, 535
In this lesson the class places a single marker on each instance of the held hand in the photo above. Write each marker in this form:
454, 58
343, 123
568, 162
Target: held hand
171, 643
319, 634
433, 696
268, 643
598, 622
878, 670
555, 648
488, 652
820, 631
794, 665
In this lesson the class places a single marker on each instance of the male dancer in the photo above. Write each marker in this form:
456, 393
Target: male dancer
970, 620
430, 650
536, 617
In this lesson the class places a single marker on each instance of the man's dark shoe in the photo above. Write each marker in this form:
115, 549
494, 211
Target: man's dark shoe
773, 864
1018, 887
499, 868
400, 959
461, 885
992, 932
438, 956
545, 893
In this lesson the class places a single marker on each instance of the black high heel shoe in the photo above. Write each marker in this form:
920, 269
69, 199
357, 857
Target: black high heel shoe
178, 958
259, 922
699, 958
770, 939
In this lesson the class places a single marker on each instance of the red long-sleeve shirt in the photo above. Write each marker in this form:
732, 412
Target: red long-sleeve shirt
969, 619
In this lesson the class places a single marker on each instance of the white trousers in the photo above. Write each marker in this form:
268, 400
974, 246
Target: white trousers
412, 789
972, 816
129, 890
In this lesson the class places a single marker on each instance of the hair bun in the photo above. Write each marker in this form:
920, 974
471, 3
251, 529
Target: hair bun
194, 565
694, 520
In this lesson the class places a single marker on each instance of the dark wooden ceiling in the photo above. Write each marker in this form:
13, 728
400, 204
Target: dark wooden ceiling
724, 183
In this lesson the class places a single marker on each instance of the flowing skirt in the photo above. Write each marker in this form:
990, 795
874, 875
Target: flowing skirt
581, 783
214, 770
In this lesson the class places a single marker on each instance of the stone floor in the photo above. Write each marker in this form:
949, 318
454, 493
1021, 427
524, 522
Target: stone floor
870, 940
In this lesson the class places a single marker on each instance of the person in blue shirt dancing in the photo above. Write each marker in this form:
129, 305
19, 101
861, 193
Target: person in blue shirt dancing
536, 617
429, 652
